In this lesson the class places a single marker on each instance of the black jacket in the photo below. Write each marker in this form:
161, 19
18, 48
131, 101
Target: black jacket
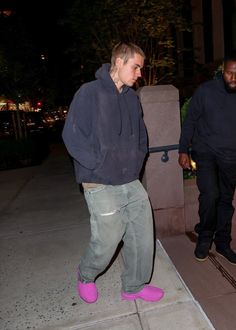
104, 132
210, 123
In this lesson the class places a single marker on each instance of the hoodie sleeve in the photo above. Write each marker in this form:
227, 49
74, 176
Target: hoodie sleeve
189, 125
77, 131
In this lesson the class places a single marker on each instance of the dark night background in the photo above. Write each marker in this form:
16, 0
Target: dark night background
42, 19
67, 51
41, 22
58, 45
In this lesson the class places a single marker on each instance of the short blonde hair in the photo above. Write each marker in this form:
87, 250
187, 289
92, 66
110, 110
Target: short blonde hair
125, 51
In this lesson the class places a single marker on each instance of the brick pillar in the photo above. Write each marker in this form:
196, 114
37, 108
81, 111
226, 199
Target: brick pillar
163, 181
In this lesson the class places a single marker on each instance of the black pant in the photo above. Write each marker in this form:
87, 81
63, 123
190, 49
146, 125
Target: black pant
216, 181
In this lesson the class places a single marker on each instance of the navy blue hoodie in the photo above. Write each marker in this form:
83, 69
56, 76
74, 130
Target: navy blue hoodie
210, 124
104, 132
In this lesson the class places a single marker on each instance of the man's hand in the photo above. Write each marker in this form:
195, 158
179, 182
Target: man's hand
184, 161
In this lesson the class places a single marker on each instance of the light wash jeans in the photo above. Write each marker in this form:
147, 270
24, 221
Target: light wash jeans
118, 213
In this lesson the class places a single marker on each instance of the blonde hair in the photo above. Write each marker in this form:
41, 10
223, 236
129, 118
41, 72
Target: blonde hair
125, 51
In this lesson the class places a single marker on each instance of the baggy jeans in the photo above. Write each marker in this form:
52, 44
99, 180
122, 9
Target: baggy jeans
121, 212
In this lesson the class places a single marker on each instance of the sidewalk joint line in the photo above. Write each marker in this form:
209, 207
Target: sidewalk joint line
213, 259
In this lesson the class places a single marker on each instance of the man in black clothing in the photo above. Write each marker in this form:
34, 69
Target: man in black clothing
210, 130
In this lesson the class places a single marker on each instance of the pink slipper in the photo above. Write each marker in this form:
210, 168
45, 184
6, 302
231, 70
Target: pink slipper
148, 293
87, 291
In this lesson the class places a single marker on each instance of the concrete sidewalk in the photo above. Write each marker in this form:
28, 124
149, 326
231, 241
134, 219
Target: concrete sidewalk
44, 229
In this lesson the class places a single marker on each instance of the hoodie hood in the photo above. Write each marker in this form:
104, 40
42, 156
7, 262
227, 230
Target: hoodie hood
103, 74
210, 122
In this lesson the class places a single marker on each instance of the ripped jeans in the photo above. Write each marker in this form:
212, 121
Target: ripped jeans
117, 213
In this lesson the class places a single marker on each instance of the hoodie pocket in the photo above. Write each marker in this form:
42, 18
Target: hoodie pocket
118, 164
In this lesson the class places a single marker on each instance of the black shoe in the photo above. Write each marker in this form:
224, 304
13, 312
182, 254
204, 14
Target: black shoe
228, 254
202, 250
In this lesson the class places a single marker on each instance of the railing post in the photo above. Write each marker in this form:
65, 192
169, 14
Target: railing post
163, 179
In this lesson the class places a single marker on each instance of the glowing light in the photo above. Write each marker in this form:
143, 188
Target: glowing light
193, 165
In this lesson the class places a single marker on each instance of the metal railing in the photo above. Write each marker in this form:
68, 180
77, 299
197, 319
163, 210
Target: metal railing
165, 150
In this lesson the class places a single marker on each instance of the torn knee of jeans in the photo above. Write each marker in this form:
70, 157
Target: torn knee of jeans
109, 213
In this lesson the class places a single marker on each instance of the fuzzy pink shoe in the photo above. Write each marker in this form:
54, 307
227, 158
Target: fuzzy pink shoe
87, 291
148, 293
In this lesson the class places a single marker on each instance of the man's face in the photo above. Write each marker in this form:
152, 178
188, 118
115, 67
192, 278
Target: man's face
129, 72
229, 75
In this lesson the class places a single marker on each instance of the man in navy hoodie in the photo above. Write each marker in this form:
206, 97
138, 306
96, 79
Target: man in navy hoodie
105, 134
210, 130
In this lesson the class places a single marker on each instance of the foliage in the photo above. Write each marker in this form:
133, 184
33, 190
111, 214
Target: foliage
218, 72
184, 109
96, 26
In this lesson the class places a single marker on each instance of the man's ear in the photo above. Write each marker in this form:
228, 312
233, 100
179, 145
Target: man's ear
119, 62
